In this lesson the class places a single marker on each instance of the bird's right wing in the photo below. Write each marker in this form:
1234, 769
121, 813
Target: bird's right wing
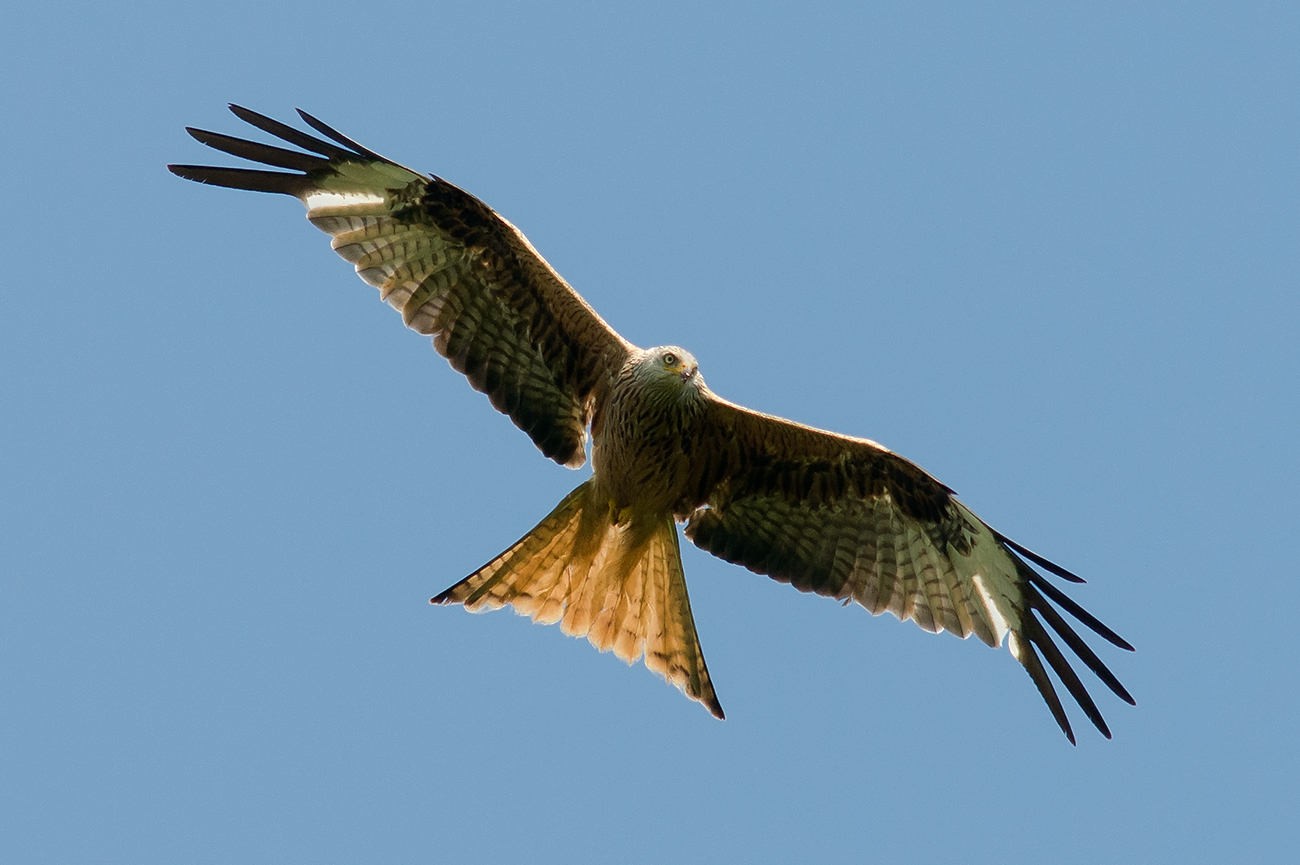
453, 267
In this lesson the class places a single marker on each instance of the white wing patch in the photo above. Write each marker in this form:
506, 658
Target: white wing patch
991, 570
320, 198
990, 608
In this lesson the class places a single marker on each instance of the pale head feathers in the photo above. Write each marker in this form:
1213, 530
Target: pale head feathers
667, 371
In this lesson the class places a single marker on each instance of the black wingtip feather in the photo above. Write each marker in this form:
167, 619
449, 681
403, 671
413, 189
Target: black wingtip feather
1078, 646
1070, 606
293, 136
1034, 631
1034, 634
1033, 666
243, 178
1046, 564
332, 133
256, 152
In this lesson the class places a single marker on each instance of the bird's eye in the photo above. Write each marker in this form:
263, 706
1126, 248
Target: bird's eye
670, 359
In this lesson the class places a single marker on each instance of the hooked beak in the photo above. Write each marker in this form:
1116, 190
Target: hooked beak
688, 373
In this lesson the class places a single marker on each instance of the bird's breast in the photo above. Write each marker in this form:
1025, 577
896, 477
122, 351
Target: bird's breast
639, 457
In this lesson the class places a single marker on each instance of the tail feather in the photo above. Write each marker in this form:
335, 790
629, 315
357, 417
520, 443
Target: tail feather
672, 648
619, 585
528, 571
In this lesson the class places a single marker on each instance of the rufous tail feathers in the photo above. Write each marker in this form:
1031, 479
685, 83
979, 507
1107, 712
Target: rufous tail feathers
618, 584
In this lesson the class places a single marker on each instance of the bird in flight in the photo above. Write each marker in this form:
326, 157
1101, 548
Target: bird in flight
832, 514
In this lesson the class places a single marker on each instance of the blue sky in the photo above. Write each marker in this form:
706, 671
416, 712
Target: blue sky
1049, 254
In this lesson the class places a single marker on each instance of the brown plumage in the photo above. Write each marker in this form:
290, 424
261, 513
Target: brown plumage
839, 516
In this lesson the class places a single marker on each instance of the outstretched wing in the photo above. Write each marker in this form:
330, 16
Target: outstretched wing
849, 519
455, 269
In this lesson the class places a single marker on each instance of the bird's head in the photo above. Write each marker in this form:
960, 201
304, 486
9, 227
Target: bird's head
669, 369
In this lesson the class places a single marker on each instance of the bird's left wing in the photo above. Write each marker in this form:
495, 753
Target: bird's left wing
452, 266
846, 518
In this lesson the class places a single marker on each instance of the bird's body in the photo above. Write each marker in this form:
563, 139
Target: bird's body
831, 514
640, 457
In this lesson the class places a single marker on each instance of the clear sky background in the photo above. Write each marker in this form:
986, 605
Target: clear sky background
1049, 254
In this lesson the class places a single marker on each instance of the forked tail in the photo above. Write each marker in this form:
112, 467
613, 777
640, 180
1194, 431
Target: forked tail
619, 585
